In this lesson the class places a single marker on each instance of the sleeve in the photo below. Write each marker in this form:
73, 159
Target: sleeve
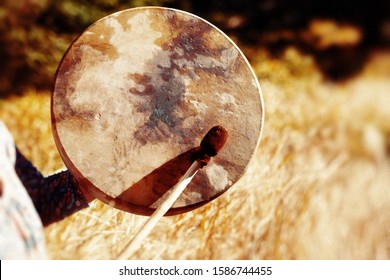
55, 197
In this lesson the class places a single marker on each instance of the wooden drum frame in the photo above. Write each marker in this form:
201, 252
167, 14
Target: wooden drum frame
134, 95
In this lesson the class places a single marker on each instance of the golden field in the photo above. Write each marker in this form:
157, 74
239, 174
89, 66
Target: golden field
318, 186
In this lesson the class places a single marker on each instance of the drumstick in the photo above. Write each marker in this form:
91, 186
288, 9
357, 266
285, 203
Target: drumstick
210, 145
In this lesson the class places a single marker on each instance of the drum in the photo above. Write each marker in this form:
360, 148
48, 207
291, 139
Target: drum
134, 95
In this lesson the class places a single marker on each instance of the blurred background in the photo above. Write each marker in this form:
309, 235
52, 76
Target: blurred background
36, 33
319, 184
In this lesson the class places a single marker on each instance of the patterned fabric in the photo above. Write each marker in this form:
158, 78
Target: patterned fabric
21, 232
28, 200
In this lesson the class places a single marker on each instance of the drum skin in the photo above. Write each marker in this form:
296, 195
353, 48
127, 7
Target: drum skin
135, 94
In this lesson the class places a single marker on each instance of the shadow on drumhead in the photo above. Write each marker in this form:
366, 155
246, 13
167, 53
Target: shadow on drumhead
142, 197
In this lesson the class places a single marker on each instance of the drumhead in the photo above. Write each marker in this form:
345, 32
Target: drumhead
133, 97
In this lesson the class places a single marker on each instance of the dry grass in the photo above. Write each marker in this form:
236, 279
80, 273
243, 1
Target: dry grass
318, 186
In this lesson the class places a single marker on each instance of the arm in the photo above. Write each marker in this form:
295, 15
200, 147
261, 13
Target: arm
56, 196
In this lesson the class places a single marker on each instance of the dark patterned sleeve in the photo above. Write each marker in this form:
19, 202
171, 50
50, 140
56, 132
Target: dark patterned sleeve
55, 197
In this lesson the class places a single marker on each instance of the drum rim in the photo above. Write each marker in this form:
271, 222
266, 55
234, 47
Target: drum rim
130, 207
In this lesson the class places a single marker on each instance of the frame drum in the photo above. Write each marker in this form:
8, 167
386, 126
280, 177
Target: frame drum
133, 97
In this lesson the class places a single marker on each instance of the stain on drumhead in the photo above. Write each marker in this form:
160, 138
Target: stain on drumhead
141, 87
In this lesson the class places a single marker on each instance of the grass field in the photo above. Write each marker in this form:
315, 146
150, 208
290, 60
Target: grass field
318, 186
